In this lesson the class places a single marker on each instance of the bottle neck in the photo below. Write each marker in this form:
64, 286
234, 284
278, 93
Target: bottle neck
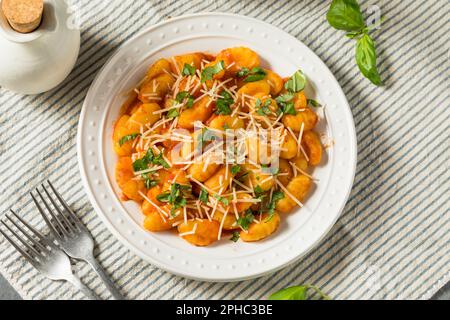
7, 32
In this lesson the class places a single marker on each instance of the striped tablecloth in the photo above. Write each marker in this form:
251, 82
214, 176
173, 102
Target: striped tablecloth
393, 238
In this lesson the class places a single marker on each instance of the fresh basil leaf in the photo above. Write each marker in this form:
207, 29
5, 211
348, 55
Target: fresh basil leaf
150, 183
188, 70
175, 197
313, 103
245, 221
287, 97
292, 293
223, 104
163, 197
204, 195
209, 72
159, 160
235, 169
172, 113
345, 15
276, 196
263, 109
297, 293
253, 75
127, 138
366, 58
297, 82
185, 96
236, 236
288, 108
225, 201
140, 165
258, 190
242, 73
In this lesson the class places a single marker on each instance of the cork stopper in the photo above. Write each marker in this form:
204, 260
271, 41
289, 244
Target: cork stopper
24, 16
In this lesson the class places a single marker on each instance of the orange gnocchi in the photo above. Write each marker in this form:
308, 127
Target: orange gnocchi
217, 146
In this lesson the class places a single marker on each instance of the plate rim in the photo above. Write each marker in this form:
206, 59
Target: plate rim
155, 262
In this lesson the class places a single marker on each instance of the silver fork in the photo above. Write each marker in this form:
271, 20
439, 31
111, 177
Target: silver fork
70, 233
42, 253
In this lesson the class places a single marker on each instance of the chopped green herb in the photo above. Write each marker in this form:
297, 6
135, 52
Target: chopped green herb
287, 97
313, 103
297, 82
188, 70
204, 195
245, 221
243, 72
175, 197
129, 137
225, 201
209, 72
172, 113
185, 96
236, 236
286, 104
226, 127
276, 196
140, 165
224, 103
149, 181
150, 158
163, 197
253, 75
235, 169
258, 190
263, 109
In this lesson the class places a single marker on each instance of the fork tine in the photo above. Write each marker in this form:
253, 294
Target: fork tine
47, 221
18, 248
43, 238
52, 213
26, 234
67, 222
65, 205
25, 243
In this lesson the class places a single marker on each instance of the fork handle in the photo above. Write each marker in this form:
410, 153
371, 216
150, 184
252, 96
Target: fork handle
76, 282
105, 278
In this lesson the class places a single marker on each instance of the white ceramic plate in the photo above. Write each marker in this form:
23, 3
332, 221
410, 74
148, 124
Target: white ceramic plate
225, 261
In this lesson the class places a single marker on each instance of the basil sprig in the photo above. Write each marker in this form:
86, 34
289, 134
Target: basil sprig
346, 15
298, 293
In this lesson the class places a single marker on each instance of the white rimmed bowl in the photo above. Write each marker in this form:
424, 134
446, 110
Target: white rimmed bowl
225, 261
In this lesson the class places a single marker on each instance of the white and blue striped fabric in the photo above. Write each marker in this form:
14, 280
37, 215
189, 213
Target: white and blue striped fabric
393, 239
